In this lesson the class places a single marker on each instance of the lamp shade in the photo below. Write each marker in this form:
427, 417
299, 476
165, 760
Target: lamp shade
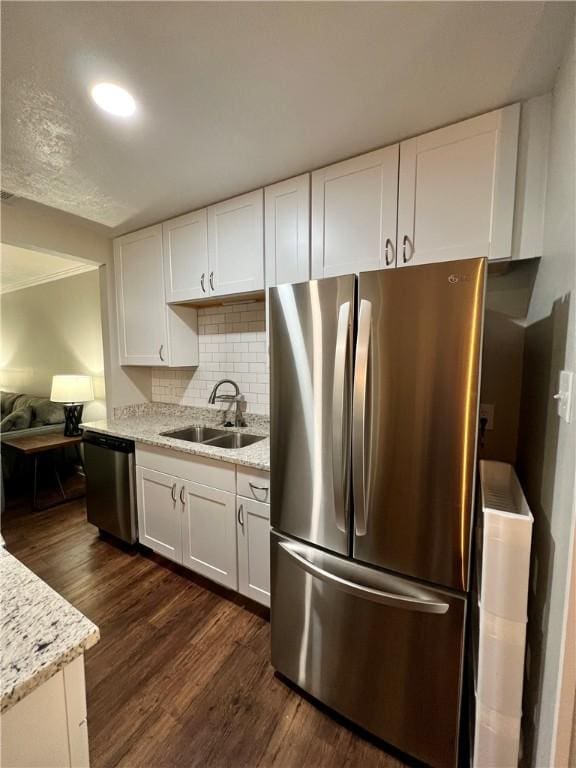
72, 389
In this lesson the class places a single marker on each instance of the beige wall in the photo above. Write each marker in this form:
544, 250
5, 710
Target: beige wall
41, 228
546, 446
53, 328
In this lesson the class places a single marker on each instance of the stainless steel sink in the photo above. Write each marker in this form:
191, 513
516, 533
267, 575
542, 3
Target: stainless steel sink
219, 438
195, 434
234, 440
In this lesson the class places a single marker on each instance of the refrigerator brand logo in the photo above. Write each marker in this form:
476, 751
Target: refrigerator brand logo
453, 278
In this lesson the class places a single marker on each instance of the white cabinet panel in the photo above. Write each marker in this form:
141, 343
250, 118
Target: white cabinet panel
198, 469
140, 298
209, 533
287, 231
236, 245
253, 531
48, 728
160, 512
186, 257
253, 483
354, 205
456, 193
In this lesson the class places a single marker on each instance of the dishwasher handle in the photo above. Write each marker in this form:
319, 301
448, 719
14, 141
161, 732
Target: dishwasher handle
111, 442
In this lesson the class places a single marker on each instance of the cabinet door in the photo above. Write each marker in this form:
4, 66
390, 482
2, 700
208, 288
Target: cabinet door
209, 533
287, 231
253, 532
456, 195
140, 298
186, 257
236, 245
159, 512
354, 206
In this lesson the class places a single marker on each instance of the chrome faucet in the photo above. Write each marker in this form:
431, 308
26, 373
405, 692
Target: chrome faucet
237, 398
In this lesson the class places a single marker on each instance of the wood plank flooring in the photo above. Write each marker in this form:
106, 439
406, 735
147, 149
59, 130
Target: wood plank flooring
181, 676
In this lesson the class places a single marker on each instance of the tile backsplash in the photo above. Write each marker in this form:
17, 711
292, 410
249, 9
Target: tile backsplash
232, 342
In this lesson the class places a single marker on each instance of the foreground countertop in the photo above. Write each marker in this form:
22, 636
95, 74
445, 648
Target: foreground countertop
147, 425
41, 632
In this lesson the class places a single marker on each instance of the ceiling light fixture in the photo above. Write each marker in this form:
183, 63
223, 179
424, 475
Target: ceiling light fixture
111, 98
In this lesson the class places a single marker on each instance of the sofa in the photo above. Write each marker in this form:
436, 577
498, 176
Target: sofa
22, 414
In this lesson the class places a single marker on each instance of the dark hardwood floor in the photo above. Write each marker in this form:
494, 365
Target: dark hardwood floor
181, 676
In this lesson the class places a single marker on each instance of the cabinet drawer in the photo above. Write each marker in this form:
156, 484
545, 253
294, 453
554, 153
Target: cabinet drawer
253, 484
216, 474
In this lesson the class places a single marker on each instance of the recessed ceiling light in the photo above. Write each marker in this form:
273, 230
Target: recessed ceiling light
113, 99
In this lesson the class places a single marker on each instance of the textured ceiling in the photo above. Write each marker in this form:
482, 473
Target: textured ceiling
232, 96
21, 268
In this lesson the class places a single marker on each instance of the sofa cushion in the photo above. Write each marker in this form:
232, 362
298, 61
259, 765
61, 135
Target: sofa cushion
7, 400
19, 419
47, 412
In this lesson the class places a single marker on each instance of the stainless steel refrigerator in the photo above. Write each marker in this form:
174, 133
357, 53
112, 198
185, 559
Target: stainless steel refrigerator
374, 406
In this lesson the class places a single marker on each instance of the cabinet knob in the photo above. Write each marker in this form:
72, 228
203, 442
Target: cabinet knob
241, 515
173, 493
160, 352
202, 282
182, 499
212, 280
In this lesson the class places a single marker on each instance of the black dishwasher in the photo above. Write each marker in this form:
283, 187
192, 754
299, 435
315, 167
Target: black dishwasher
110, 485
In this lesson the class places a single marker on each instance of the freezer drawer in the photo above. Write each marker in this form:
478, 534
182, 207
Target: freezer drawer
385, 652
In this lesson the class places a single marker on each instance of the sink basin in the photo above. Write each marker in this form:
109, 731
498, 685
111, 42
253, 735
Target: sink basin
196, 434
233, 440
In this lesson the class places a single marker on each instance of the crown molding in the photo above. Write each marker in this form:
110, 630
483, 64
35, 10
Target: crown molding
40, 280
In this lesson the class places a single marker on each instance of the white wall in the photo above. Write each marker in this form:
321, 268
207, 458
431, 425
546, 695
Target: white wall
53, 328
38, 227
232, 341
546, 450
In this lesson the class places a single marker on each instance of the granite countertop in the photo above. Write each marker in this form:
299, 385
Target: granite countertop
146, 424
41, 632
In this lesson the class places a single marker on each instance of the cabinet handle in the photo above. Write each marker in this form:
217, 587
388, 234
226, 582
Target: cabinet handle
241, 515
160, 352
182, 499
212, 280
405, 242
202, 282
173, 492
389, 249
257, 488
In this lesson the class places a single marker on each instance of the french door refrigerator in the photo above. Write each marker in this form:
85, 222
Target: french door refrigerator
374, 405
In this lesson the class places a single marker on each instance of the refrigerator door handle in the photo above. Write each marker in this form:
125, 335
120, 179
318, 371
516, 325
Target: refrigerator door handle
406, 602
340, 418
360, 449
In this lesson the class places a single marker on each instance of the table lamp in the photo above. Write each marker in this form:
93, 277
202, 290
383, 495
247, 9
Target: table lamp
73, 391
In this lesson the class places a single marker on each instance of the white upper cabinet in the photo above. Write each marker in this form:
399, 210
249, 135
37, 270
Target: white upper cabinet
186, 257
142, 332
354, 206
150, 332
287, 231
236, 245
456, 192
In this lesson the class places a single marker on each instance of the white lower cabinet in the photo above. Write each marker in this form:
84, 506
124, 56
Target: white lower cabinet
210, 530
48, 727
209, 534
159, 512
253, 536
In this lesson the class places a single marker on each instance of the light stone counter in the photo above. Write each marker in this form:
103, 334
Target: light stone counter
40, 631
145, 424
